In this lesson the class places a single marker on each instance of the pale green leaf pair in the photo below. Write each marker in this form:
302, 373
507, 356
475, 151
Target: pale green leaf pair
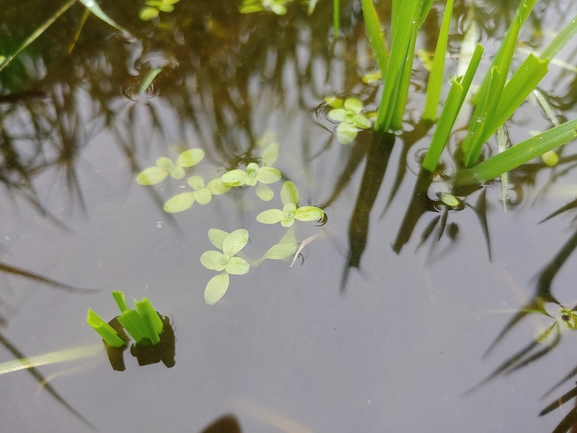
290, 212
165, 166
230, 244
201, 194
348, 113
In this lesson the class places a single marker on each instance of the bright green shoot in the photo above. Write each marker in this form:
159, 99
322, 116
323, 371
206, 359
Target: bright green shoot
230, 244
349, 114
290, 212
143, 324
435, 83
106, 331
165, 166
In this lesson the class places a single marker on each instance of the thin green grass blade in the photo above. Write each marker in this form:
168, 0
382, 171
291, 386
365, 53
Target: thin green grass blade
444, 126
472, 145
149, 77
95, 9
50, 358
37, 33
435, 83
425, 8
106, 331
451, 110
524, 152
376, 37
336, 18
405, 17
492, 87
560, 40
521, 84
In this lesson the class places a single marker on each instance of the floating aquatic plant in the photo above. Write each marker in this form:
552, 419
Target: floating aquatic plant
230, 244
257, 175
154, 7
349, 115
278, 7
165, 166
290, 197
201, 194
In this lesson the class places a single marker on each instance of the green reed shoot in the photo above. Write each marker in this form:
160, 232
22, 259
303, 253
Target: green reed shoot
435, 83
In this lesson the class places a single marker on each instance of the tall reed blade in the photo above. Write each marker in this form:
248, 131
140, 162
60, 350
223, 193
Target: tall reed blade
435, 83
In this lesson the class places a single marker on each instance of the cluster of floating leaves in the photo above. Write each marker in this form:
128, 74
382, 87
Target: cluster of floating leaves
290, 212
278, 7
349, 114
259, 174
154, 7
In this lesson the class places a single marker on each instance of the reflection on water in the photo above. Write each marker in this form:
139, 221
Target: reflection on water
85, 109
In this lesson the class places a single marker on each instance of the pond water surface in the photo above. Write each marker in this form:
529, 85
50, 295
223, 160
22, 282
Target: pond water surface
378, 328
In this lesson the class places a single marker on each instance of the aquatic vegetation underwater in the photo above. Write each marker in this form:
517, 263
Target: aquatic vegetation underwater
203, 91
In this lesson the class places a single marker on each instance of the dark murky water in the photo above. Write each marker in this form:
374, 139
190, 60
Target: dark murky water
382, 337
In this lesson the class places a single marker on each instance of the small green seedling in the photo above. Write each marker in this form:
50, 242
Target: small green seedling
165, 166
257, 175
286, 217
202, 194
230, 244
349, 115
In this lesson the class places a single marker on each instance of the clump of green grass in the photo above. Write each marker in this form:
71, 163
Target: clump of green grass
496, 100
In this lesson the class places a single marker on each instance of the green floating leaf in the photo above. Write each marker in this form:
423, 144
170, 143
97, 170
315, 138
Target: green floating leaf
196, 182
216, 288
235, 242
271, 216
285, 248
147, 13
309, 213
234, 178
270, 154
217, 237
237, 266
361, 121
203, 196
268, 175
179, 203
346, 133
289, 193
151, 176
214, 260
264, 192
338, 114
190, 157
354, 105
216, 187
106, 331
335, 102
